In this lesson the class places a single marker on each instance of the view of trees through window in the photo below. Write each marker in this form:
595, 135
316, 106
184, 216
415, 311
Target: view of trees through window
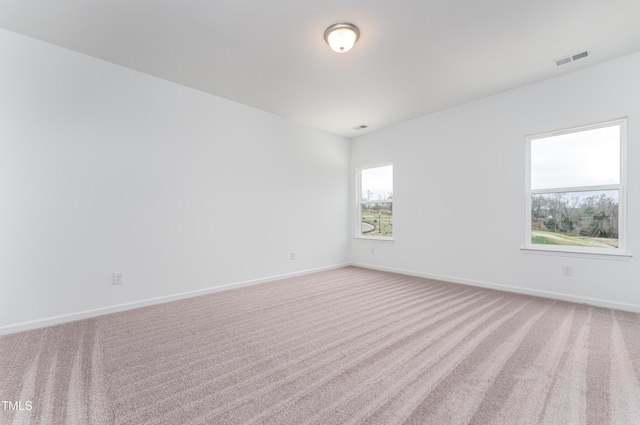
575, 219
376, 201
575, 187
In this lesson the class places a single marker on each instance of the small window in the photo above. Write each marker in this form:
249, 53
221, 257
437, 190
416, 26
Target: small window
576, 189
375, 202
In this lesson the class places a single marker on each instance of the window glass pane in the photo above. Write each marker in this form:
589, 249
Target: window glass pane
376, 202
377, 183
377, 219
587, 219
584, 158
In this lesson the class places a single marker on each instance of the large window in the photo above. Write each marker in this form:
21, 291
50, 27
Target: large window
576, 189
375, 201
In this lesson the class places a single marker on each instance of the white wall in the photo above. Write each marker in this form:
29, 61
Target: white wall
105, 169
459, 188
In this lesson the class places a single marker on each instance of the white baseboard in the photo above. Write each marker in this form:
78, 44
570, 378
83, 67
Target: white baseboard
634, 308
71, 317
55, 320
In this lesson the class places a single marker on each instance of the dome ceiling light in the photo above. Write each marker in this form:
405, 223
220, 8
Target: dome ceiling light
341, 37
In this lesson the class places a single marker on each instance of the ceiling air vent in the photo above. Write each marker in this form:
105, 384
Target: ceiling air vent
572, 58
580, 55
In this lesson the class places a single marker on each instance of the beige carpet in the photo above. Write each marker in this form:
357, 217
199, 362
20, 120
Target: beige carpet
345, 346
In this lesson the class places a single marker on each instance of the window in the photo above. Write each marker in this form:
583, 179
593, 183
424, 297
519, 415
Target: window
375, 202
576, 189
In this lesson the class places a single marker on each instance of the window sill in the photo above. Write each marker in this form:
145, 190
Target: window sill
616, 256
375, 238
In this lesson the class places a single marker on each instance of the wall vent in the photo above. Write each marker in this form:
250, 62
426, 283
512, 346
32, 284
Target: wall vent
572, 58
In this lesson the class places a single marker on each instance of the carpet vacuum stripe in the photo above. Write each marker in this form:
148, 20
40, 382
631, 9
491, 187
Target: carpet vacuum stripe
290, 341
255, 371
312, 320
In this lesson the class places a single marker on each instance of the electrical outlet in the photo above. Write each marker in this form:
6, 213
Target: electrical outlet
118, 279
567, 270
293, 256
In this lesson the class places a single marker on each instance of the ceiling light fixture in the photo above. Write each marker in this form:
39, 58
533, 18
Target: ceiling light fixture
341, 37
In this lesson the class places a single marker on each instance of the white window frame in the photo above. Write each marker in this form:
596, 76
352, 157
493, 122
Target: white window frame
359, 202
621, 187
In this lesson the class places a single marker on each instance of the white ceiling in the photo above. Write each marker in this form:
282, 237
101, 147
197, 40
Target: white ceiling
414, 57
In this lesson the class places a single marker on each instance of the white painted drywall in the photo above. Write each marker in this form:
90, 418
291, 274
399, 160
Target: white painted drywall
104, 169
459, 188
